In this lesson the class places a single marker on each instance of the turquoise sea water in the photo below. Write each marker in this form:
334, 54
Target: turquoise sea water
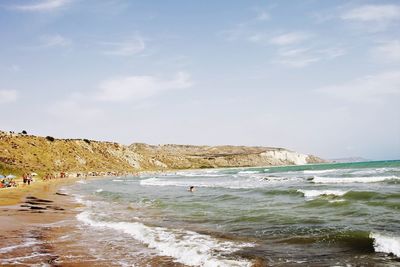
344, 214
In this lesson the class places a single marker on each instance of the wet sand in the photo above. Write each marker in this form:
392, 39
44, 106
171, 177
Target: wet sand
27, 229
38, 226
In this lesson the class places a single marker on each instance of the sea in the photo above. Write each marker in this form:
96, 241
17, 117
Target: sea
338, 214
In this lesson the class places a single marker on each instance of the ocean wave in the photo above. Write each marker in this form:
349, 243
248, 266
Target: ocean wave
375, 171
199, 174
386, 244
236, 184
246, 182
312, 194
318, 171
248, 172
99, 190
337, 201
81, 182
337, 180
186, 247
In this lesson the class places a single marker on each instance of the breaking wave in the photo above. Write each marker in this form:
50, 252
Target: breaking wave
337, 180
386, 244
186, 247
311, 194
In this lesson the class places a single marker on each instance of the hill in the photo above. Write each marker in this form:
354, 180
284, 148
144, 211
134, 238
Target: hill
21, 153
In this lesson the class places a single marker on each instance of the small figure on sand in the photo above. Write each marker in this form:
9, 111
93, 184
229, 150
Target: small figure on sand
191, 189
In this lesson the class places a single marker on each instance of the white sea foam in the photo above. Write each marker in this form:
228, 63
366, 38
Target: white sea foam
99, 190
117, 180
248, 172
234, 184
81, 182
28, 243
186, 247
386, 244
337, 180
318, 171
199, 174
312, 194
239, 182
79, 199
211, 171
374, 171
19, 260
336, 200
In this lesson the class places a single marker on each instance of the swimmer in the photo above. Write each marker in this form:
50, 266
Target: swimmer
191, 189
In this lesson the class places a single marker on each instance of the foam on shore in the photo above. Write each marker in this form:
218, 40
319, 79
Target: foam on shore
186, 247
29, 242
386, 244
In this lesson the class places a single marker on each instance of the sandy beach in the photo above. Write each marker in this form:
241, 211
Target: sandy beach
32, 218
35, 225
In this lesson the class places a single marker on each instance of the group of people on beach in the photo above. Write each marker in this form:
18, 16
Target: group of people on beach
8, 182
27, 178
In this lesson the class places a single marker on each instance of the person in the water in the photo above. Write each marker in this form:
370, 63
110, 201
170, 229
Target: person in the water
191, 189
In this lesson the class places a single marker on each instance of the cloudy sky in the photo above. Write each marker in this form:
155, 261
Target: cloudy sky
319, 77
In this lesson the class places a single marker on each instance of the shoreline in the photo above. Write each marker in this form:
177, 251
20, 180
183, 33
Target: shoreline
41, 189
28, 225
36, 230
33, 229
14, 195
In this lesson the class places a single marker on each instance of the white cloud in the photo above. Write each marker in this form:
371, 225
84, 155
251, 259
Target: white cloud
373, 88
8, 96
373, 13
289, 38
43, 5
244, 29
297, 62
303, 57
140, 87
126, 48
54, 41
388, 51
76, 108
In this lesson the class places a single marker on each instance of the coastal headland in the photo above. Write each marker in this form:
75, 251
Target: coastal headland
22, 153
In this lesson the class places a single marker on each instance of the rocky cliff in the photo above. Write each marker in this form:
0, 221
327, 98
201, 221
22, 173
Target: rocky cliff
21, 153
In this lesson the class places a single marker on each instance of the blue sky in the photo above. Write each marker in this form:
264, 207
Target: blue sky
320, 77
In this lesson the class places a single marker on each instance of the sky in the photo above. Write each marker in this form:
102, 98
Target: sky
317, 77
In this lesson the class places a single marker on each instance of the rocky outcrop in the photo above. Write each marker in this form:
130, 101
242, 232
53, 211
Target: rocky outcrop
33, 153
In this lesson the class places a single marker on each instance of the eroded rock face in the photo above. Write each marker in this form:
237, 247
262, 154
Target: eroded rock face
35, 153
